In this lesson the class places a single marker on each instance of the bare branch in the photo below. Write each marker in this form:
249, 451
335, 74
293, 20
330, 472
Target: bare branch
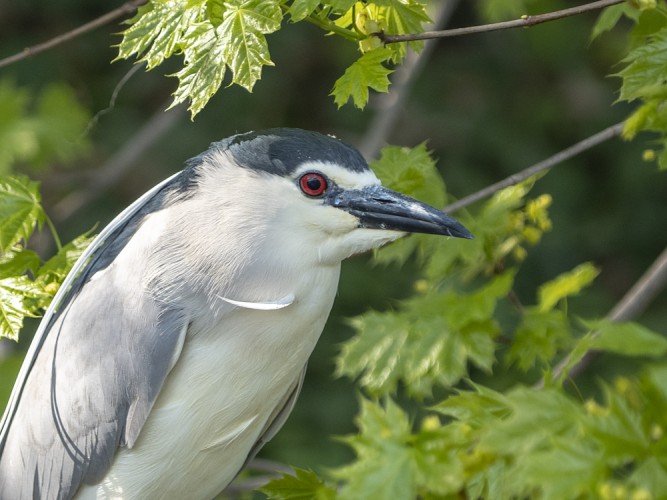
114, 95
550, 162
124, 10
271, 470
390, 106
523, 22
633, 303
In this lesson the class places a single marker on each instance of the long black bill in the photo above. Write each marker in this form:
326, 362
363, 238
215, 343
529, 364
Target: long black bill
377, 207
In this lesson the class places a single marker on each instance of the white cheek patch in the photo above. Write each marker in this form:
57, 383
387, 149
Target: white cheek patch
342, 176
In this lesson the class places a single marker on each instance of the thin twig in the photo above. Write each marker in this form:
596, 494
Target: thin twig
270, 468
390, 106
550, 162
523, 22
125, 9
114, 95
633, 303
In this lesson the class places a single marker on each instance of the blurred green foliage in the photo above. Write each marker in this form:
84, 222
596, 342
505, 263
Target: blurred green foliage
446, 343
36, 130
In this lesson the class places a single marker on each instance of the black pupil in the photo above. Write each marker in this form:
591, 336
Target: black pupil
313, 183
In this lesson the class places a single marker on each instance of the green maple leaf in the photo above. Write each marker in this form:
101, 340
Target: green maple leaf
385, 461
156, 31
204, 68
237, 43
57, 267
245, 22
20, 210
16, 294
303, 485
627, 339
212, 36
403, 17
394, 462
429, 341
411, 171
539, 336
646, 72
366, 72
566, 285
374, 353
300, 9
17, 261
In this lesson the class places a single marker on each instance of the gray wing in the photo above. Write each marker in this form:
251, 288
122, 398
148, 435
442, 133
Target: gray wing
92, 374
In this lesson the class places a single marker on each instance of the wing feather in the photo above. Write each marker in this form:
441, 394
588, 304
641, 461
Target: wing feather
93, 370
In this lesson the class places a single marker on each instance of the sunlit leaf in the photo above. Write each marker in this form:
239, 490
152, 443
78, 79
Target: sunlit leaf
539, 337
299, 9
20, 210
430, 341
411, 171
156, 31
651, 476
400, 17
375, 351
18, 261
566, 285
646, 71
14, 307
366, 72
56, 268
244, 24
618, 428
476, 407
384, 464
204, 68
569, 468
536, 417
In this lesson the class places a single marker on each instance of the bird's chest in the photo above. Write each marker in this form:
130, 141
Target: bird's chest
233, 373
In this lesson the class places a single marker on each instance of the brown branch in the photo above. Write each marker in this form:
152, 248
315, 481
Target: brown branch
537, 168
390, 106
523, 22
633, 303
125, 9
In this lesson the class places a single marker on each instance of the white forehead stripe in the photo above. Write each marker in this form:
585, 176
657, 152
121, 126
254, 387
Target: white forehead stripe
342, 176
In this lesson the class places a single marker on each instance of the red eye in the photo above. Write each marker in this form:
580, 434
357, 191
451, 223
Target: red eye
313, 184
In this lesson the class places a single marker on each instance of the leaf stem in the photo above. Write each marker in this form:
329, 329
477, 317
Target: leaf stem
522, 22
326, 24
552, 161
54, 233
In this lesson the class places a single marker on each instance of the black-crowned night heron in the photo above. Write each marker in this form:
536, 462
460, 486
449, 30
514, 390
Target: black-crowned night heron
177, 345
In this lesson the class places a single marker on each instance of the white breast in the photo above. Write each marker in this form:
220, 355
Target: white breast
231, 375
